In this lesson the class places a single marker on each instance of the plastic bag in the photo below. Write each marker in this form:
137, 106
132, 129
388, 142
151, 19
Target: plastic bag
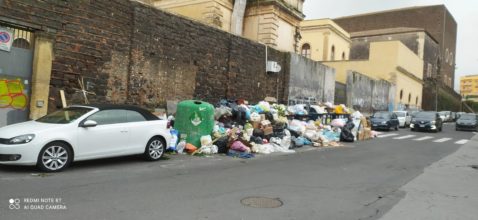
174, 140
206, 141
181, 146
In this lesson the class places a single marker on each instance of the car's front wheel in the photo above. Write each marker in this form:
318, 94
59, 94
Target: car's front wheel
154, 149
54, 157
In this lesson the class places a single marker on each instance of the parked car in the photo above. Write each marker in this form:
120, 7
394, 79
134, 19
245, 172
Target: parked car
467, 122
79, 133
404, 118
445, 116
384, 120
427, 120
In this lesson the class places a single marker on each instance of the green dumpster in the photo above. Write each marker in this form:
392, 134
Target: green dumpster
194, 119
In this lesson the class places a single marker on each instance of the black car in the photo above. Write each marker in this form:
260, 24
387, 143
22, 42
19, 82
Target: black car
384, 121
467, 122
427, 121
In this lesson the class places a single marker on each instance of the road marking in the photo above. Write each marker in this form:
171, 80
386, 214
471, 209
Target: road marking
387, 135
463, 141
442, 140
405, 137
423, 138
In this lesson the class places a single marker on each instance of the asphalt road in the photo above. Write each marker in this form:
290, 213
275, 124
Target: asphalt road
358, 181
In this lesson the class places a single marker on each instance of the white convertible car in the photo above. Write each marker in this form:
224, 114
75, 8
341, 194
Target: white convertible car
82, 133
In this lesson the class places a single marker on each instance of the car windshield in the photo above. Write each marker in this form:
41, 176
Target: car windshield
468, 116
384, 115
425, 115
400, 114
64, 116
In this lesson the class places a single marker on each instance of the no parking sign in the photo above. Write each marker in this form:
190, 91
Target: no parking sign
6, 39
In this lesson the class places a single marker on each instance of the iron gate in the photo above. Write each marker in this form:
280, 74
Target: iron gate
15, 76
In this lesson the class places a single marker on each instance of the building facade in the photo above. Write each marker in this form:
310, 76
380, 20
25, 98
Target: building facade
436, 20
469, 87
324, 40
271, 22
401, 67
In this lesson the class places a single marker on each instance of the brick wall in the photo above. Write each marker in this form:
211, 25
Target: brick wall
128, 52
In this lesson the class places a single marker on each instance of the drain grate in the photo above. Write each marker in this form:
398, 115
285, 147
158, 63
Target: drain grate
474, 167
262, 202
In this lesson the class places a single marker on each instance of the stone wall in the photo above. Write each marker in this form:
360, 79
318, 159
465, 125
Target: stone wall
310, 79
128, 52
366, 94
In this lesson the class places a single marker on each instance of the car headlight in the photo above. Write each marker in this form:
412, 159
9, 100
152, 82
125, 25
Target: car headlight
22, 139
384, 122
433, 122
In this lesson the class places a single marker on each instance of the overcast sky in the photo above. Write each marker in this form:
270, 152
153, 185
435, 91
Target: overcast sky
465, 13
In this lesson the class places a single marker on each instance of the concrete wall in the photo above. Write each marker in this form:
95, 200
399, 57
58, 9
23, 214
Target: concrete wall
310, 79
366, 94
400, 67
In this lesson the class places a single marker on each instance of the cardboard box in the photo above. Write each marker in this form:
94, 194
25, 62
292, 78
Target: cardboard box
268, 130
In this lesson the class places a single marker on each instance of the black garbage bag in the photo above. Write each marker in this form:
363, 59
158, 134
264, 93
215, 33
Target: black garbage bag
294, 133
221, 144
258, 133
346, 134
257, 140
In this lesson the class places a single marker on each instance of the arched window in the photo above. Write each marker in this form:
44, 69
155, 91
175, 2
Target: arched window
21, 43
332, 54
401, 94
409, 97
343, 55
305, 51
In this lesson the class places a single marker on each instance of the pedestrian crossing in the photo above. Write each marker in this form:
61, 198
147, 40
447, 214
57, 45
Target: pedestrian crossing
412, 137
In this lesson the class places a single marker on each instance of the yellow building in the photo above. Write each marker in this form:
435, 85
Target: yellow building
324, 40
272, 22
469, 87
391, 61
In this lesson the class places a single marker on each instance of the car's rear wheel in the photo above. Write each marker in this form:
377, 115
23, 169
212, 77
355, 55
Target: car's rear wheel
154, 149
54, 157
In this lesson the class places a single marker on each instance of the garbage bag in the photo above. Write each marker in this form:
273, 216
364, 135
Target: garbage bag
338, 123
221, 144
239, 146
346, 135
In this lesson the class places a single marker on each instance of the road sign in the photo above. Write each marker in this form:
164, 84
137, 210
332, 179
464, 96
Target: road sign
6, 39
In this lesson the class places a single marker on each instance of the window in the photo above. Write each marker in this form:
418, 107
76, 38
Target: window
416, 101
409, 97
343, 55
332, 54
429, 70
305, 51
401, 94
109, 117
134, 116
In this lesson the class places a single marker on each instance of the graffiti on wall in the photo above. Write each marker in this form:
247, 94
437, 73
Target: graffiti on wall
12, 94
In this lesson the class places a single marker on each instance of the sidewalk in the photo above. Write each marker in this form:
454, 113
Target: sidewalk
448, 189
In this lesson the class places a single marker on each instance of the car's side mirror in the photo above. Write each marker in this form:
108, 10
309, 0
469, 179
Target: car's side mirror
89, 123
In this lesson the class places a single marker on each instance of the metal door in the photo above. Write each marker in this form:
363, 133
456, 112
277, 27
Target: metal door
15, 78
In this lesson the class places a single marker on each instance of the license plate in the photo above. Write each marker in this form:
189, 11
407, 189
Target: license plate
421, 126
374, 125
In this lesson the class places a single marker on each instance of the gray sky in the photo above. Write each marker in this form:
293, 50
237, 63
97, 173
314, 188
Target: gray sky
465, 13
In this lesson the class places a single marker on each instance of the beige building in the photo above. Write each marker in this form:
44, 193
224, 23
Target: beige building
391, 61
272, 22
469, 87
324, 40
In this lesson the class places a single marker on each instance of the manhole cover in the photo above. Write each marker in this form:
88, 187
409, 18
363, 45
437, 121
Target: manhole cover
262, 202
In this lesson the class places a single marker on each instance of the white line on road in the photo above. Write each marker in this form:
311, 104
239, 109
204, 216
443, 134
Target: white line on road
463, 141
405, 137
387, 135
442, 140
423, 138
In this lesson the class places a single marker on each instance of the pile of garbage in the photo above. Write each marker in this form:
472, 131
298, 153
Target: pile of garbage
242, 130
